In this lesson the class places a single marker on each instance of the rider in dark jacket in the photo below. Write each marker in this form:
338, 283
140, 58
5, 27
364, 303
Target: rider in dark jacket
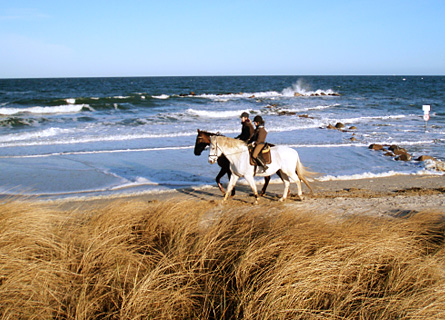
259, 140
247, 129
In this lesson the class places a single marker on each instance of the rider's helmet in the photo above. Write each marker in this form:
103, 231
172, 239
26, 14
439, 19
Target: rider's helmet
258, 119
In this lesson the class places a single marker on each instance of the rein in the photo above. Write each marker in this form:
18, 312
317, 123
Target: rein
215, 155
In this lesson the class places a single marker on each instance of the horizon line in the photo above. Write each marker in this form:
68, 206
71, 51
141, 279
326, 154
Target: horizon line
242, 75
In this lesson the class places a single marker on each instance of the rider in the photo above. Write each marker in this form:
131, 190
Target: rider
259, 140
247, 129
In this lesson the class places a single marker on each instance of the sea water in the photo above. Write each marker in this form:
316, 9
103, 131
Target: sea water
100, 136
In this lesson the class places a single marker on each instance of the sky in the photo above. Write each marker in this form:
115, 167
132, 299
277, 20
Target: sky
41, 39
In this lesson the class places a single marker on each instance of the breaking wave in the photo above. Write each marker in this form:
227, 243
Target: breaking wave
70, 108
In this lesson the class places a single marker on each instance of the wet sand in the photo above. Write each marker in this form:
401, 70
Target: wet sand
396, 196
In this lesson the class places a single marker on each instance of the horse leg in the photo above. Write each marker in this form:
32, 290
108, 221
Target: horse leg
279, 172
286, 183
221, 173
229, 175
266, 183
233, 179
295, 177
251, 181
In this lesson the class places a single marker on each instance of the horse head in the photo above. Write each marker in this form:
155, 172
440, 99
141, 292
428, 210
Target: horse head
214, 152
203, 140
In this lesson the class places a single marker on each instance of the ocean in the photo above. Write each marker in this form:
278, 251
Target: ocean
72, 137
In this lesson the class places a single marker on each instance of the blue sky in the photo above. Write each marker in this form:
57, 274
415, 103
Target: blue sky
176, 38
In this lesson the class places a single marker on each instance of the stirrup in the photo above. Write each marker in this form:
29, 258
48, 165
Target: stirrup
261, 163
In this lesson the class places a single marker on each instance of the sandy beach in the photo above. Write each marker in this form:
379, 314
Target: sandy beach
395, 195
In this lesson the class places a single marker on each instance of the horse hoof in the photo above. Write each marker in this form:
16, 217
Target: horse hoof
282, 199
300, 198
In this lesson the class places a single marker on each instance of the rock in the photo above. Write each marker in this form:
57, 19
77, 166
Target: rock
353, 139
296, 94
330, 126
375, 146
394, 147
339, 125
423, 158
404, 157
399, 151
286, 113
389, 154
353, 128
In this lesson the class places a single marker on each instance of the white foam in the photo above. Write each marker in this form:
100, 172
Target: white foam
162, 96
216, 114
139, 181
72, 108
301, 88
365, 119
368, 175
50, 132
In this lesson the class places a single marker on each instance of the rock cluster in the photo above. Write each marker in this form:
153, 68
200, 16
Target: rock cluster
401, 154
340, 126
281, 112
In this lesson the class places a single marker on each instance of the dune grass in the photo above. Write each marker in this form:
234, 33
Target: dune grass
202, 260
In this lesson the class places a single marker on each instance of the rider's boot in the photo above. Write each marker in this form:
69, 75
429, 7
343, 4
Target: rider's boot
261, 163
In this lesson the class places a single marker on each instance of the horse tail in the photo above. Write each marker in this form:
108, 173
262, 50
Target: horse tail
304, 174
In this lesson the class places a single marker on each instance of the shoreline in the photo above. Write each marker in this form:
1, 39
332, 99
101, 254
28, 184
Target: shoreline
378, 196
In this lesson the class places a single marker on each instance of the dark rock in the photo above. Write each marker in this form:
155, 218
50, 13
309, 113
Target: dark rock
330, 126
423, 158
394, 147
286, 113
404, 157
375, 146
353, 128
389, 154
399, 151
339, 125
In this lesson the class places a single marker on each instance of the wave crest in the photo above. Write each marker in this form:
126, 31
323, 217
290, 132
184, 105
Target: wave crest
71, 108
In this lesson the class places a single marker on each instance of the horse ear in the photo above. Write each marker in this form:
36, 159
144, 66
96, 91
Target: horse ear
198, 130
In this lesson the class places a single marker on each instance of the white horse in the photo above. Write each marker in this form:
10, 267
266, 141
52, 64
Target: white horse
284, 159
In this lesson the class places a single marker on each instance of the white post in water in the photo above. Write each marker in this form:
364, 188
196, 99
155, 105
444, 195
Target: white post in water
426, 113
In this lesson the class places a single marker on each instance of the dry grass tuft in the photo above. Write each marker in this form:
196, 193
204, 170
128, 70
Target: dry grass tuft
201, 260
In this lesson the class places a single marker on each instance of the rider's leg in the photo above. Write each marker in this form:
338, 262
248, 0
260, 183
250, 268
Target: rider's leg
255, 155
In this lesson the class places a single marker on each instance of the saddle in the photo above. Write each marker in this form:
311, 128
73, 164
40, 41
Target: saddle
265, 154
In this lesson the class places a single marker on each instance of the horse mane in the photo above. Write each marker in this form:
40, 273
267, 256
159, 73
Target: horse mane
211, 133
231, 142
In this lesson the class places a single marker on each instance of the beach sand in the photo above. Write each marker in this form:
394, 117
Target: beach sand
396, 196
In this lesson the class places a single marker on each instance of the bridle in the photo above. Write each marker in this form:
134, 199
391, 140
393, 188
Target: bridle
213, 157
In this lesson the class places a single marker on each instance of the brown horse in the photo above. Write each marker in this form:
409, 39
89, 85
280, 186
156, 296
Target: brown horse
202, 141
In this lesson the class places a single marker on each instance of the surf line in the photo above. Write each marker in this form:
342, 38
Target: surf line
93, 152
